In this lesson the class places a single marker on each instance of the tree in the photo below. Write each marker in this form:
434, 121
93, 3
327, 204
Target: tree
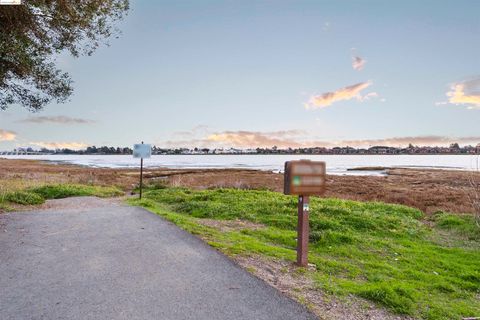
34, 33
454, 146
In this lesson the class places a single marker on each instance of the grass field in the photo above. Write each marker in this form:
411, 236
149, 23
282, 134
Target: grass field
428, 268
38, 194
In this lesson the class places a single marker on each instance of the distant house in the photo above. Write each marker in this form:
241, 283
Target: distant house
382, 150
336, 150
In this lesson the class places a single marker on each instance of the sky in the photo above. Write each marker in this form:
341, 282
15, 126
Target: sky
263, 73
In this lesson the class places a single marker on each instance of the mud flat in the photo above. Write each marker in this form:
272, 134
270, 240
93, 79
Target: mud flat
429, 190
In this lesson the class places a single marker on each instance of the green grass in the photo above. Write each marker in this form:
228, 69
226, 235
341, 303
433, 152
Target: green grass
24, 197
38, 195
74, 190
380, 252
462, 225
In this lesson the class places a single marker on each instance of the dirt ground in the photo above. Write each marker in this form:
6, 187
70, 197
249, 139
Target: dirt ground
284, 276
428, 190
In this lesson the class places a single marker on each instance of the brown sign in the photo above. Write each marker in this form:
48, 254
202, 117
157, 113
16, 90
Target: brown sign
305, 177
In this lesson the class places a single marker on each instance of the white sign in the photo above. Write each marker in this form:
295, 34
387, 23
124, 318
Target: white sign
142, 150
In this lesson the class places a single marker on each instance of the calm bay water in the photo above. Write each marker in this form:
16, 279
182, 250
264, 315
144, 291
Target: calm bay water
336, 164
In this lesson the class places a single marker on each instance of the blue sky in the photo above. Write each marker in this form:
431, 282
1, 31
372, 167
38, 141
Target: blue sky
259, 73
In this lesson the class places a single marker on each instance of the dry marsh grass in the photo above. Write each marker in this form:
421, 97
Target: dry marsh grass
428, 190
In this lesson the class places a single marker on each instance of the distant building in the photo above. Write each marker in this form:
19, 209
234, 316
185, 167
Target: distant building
382, 150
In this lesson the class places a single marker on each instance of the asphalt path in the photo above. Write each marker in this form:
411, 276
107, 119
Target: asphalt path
100, 260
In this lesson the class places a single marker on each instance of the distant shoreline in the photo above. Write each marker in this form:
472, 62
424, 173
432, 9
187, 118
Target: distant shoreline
368, 165
250, 154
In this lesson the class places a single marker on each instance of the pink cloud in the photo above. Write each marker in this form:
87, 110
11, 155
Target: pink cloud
358, 63
347, 93
6, 135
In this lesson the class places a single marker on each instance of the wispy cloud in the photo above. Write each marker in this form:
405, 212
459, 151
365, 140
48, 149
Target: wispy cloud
427, 140
299, 139
326, 99
465, 93
368, 96
242, 139
248, 139
57, 119
6, 135
358, 63
60, 145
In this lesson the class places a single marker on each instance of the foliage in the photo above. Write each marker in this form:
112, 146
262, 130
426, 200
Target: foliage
34, 33
380, 252
74, 190
25, 198
38, 195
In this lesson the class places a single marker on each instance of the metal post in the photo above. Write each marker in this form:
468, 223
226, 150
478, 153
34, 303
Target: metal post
302, 231
141, 176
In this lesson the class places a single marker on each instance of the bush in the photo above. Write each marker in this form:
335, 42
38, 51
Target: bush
72, 190
25, 198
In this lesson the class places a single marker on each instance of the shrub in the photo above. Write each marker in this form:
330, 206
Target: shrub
25, 198
72, 190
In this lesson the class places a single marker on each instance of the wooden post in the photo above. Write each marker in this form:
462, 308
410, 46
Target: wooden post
302, 231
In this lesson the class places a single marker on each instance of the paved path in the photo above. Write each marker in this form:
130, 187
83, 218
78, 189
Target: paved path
103, 260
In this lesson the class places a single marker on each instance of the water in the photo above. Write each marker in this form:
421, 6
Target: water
336, 164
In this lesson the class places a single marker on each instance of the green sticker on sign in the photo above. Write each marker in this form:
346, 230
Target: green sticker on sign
296, 180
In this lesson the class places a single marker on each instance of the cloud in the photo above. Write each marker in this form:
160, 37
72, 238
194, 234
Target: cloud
249, 139
57, 119
242, 139
368, 96
465, 93
6, 135
347, 93
300, 139
358, 63
427, 140
60, 145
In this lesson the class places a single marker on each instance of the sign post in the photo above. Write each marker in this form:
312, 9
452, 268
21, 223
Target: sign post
303, 231
141, 178
141, 151
304, 178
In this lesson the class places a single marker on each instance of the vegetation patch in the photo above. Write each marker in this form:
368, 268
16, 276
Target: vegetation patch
380, 252
24, 197
462, 225
38, 195
75, 190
